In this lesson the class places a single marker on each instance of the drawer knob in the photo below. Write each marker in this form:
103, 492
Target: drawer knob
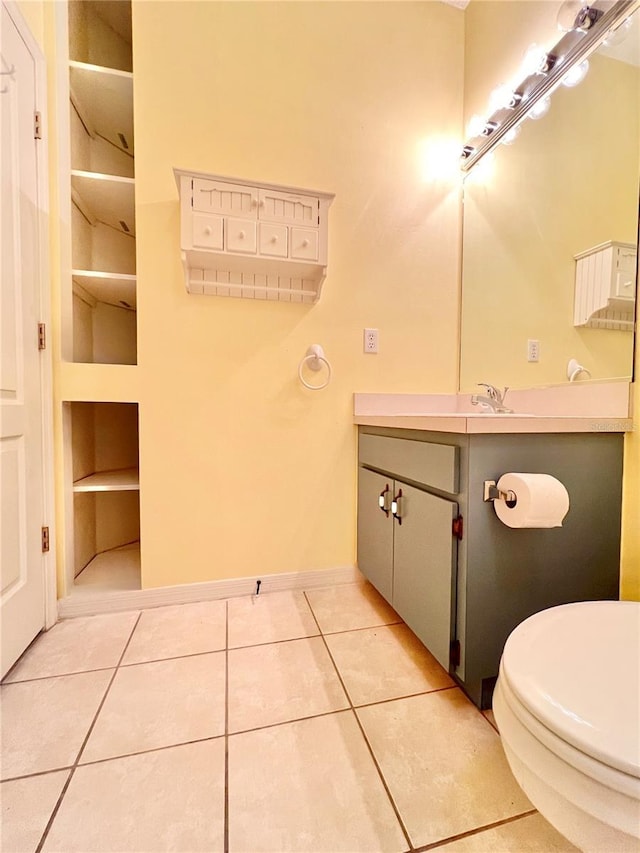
207, 230
305, 243
241, 235
274, 239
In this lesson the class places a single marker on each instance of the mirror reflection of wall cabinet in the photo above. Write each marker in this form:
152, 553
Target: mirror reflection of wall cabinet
567, 183
102, 182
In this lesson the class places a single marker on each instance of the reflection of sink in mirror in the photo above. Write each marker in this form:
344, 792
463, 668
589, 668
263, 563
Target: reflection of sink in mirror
567, 184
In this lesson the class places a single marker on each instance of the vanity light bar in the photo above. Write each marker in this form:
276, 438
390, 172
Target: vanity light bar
590, 27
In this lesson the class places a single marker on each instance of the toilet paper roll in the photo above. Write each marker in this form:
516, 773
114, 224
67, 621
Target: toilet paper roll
540, 500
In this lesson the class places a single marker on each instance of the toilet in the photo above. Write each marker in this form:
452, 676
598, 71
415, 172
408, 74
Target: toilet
567, 705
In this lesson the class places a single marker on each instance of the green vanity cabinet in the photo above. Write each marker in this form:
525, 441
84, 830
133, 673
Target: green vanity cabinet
405, 543
459, 577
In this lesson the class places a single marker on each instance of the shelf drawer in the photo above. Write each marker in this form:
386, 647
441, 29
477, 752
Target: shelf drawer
304, 244
434, 465
241, 236
207, 231
273, 240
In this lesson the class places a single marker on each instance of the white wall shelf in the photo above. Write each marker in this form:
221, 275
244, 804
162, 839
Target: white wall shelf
103, 98
105, 198
116, 289
251, 239
123, 480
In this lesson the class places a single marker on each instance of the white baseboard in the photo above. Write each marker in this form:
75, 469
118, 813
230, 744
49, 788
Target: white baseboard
112, 602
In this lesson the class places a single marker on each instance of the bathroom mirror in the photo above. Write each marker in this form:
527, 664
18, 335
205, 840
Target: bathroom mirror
566, 185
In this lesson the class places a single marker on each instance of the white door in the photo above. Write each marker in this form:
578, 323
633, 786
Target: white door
22, 599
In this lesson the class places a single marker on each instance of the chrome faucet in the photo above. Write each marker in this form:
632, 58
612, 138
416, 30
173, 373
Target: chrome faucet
494, 399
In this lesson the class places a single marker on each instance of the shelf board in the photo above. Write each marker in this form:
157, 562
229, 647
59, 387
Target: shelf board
123, 480
103, 98
105, 198
109, 287
112, 571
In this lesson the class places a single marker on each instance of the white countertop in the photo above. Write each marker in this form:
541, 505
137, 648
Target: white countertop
602, 407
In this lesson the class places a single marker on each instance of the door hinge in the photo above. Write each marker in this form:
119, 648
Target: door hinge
454, 654
42, 336
37, 125
45, 540
458, 527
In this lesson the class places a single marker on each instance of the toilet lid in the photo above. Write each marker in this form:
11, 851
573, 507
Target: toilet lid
576, 668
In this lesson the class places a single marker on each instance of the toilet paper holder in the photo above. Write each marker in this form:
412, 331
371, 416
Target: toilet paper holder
493, 493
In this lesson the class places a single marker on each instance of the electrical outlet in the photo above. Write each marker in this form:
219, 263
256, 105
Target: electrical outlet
371, 340
533, 350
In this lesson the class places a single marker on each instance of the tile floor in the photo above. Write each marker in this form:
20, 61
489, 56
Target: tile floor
289, 722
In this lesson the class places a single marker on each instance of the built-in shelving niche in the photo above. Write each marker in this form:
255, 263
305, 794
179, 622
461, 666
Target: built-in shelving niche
102, 444
102, 182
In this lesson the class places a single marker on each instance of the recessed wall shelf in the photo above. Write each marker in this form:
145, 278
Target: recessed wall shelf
103, 98
252, 240
123, 480
116, 289
105, 198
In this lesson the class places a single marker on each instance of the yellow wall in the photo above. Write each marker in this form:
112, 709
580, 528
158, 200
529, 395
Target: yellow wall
243, 471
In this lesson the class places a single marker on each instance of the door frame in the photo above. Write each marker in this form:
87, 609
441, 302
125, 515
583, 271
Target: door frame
48, 563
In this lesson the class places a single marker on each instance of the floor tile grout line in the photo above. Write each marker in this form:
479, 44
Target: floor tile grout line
226, 731
364, 628
74, 766
359, 706
366, 739
437, 845
95, 761
228, 734
35, 775
58, 675
320, 633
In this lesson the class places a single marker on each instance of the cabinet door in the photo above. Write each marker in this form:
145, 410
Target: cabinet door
424, 562
220, 197
375, 531
288, 208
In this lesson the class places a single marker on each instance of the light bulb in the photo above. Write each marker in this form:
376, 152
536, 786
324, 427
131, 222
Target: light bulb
539, 109
475, 126
576, 74
617, 36
500, 97
511, 135
532, 60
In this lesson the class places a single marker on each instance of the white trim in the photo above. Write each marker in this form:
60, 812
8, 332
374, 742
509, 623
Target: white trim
46, 360
206, 591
